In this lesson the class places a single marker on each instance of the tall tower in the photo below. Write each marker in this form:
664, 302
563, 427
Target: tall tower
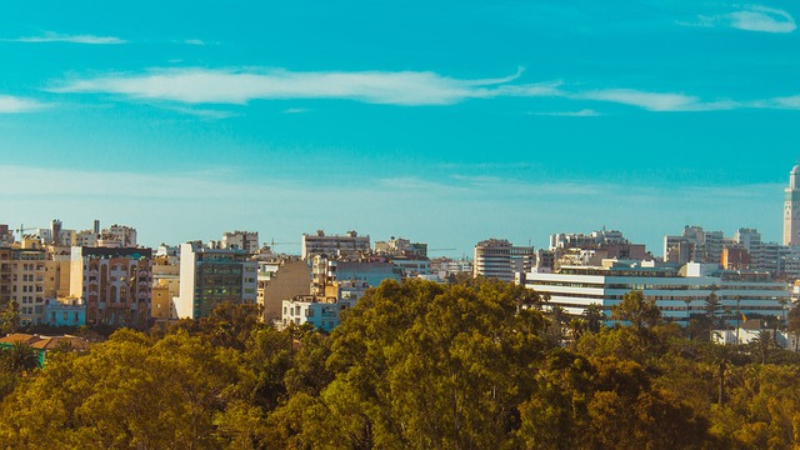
791, 210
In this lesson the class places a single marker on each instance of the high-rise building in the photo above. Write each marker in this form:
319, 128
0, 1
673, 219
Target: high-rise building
335, 245
242, 240
211, 276
791, 210
498, 258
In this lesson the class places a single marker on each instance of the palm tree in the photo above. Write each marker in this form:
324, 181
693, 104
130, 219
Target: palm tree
19, 358
763, 343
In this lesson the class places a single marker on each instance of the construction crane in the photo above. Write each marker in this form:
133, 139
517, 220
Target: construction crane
21, 230
273, 243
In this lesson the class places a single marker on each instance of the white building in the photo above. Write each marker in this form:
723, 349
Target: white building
791, 210
334, 245
321, 312
210, 277
678, 293
242, 240
749, 331
497, 258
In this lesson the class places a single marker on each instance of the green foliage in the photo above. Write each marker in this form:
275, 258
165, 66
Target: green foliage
414, 365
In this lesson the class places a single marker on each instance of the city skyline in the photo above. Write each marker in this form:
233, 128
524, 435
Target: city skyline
447, 123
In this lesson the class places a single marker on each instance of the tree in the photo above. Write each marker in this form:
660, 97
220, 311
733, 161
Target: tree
640, 312
9, 318
594, 316
712, 307
19, 358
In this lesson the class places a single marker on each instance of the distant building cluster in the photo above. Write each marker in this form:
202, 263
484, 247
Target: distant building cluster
61, 277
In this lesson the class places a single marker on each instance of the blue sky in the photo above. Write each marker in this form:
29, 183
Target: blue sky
446, 122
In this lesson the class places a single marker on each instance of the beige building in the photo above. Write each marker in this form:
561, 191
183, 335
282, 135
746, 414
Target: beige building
115, 283
22, 279
281, 279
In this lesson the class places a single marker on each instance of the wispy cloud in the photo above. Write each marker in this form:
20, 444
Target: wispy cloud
296, 110
194, 42
12, 105
749, 18
198, 85
70, 38
581, 113
658, 101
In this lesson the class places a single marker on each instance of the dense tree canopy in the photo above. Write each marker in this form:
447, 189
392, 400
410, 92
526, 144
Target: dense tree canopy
414, 365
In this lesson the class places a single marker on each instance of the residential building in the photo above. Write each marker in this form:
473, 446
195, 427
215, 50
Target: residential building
281, 277
401, 247
321, 312
679, 293
44, 344
211, 276
115, 284
242, 240
498, 258
751, 330
444, 267
22, 279
334, 245
69, 313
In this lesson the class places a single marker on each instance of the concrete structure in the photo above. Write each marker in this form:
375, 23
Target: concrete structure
125, 235
694, 245
115, 284
791, 210
279, 279
321, 312
241, 240
401, 247
497, 258
678, 293
326, 272
22, 280
44, 344
752, 329
444, 267
211, 276
335, 245
412, 266
67, 314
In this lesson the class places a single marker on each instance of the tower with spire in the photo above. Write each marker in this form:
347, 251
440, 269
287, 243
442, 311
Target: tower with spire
791, 209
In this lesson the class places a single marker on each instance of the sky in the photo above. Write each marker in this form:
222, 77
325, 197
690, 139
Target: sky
445, 122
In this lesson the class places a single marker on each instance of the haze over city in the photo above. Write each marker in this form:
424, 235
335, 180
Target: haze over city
186, 119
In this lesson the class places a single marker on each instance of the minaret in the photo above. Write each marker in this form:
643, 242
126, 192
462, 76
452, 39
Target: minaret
791, 210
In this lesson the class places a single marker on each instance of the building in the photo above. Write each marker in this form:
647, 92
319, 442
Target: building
679, 293
22, 280
321, 312
44, 344
497, 258
242, 240
751, 330
114, 283
334, 245
445, 267
279, 278
401, 247
70, 313
694, 245
212, 276
791, 210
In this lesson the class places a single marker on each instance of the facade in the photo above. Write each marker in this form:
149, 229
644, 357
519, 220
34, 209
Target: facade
334, 245
321, 312
401, 247
241, 240
68, 314
114, 283
679, 293
497, 258
750, 330
22, 280
212, 276
444, 267
791, 210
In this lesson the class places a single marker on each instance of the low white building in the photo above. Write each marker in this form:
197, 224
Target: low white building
749, 331
678, 293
